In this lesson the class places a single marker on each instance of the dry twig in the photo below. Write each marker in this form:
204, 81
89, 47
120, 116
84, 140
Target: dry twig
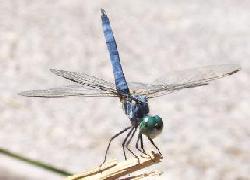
113, 170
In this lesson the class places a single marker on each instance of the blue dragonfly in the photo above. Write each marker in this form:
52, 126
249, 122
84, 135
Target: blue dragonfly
133, 96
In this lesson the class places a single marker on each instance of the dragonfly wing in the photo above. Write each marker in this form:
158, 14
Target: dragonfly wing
72, 90
139, 88
86, 80
189, 78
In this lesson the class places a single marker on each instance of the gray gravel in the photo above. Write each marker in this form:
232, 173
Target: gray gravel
207, 130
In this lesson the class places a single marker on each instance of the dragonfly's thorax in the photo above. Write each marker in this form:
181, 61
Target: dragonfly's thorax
135, 107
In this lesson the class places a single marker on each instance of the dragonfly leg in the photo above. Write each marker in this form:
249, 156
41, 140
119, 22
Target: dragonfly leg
137, 142
152, 142
111, 139
124, 142
142, 150
142, 147
128, 142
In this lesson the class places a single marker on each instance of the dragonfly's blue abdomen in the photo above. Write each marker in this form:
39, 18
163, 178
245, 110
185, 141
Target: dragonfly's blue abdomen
120, 80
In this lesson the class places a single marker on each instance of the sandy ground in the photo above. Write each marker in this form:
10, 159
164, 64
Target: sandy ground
207, 130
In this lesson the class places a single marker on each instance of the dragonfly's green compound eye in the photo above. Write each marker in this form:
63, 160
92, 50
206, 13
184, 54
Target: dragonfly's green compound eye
151, 126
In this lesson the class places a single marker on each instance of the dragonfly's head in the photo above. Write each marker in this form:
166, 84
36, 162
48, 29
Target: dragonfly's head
151, 126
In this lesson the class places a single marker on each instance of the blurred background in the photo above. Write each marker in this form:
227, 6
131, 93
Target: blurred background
207, 130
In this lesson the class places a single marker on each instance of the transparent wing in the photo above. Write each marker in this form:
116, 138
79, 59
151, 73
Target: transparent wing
189, 78
89, 86
72, 90
139, 88
86, 80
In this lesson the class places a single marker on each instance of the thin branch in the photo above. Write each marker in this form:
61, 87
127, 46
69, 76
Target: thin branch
113, 170
36, 163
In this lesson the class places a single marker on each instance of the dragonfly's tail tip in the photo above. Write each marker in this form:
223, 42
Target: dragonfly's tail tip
103, 11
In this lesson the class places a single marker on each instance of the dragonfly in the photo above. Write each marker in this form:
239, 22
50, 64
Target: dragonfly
134, 96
